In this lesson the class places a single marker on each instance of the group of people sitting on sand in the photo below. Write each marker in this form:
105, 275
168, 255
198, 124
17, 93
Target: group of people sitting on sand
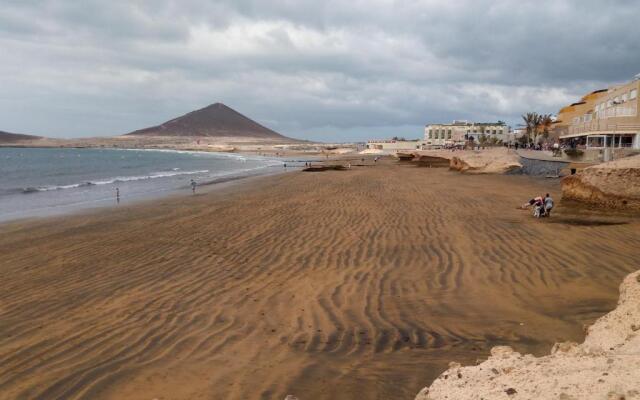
542, 206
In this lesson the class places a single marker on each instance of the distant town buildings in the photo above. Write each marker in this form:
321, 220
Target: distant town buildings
459, 132
603, 122
603, 119
516, 134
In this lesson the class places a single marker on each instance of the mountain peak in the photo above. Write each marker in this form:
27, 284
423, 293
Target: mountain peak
8, 137
214, 120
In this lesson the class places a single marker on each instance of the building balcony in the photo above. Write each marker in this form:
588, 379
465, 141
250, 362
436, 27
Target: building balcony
632, 126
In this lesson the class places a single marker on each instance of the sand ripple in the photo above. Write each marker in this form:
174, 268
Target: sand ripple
343, 284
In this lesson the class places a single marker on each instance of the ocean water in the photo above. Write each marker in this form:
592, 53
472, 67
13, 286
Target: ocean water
38, 182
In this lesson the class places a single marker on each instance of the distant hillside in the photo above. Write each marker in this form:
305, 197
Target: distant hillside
6, 137
216, 120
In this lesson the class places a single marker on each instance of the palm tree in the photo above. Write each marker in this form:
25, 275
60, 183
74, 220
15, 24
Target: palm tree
531, 122
545, 123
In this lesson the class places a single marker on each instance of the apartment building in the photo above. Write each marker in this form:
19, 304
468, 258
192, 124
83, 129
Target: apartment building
603, 119
567, 114
458, 132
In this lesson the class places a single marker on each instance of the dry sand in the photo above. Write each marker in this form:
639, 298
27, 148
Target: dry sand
605, 366
351, 284
268, 147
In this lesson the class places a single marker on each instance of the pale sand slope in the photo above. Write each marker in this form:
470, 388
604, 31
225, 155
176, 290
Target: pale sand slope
613, 184
355, 284
605, 366
498, 160
271, 147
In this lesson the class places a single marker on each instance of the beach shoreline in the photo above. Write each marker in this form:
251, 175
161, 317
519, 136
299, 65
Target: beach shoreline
364, 282
99, 200
171, 195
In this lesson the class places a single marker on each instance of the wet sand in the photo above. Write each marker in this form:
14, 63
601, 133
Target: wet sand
336, 285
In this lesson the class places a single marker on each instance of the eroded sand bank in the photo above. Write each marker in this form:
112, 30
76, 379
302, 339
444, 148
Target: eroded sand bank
497, 160
605, 366
614, 184
362, 283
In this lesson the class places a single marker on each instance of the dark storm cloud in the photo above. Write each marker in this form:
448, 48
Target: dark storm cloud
341, 69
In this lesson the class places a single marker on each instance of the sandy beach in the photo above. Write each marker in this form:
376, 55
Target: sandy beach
362, 283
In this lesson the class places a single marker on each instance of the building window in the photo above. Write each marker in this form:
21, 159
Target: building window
449, 134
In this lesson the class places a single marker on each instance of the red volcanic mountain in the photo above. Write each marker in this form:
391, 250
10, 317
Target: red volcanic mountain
6, 137
216, 120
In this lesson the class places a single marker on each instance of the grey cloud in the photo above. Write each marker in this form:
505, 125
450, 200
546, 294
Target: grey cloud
307, 68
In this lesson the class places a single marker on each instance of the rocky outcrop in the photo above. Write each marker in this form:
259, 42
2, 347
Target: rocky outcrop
605, 366
498, 161
489, 161
615, 184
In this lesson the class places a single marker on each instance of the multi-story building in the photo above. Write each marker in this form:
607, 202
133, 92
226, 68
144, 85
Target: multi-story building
567, 114
608, 118
458, 132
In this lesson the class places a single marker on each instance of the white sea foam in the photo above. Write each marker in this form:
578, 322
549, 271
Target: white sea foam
239, 157
154, 175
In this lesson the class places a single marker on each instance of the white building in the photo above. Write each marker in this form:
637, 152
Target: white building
458, 132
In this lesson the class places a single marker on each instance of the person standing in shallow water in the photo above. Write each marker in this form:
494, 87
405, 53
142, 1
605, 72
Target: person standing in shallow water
193, 186
118, 195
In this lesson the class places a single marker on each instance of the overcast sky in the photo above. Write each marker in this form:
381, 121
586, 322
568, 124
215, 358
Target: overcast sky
323, 70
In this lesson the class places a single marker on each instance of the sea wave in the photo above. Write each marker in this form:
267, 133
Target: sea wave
215, 154
108, 181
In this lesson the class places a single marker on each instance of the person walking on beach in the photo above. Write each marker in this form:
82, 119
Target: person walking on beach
193, 186
118, 195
